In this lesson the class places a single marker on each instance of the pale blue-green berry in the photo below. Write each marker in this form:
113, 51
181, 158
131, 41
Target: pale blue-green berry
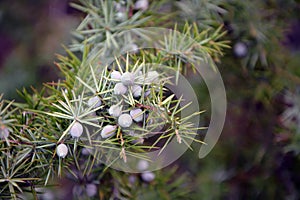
152, 76
121, 16
116, 75
62, 150
132, 179
141, 5
120, 89
117, 6
108, 131
138, 73
134, 48
4, 132
136, 90
240, 49
86, 151
148, 176
115, 110
46, 195
128, 79
78, 191
120, 5
143, 165
137, 115
147, 93
91, 189
125, 120
76, 130
94, 101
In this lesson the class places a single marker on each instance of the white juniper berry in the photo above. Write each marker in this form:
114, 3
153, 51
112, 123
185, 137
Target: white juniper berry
240, 49
85, 151
121, 16
91, 189
115, 75
62, 150
125, 120
115, 110
141, 5
152, 76
47, 195
128, 79
133, 48
132, 179
4, 132
136, 90
149, 78
148, 176
94, 101
143, 165
78, 190
120, 89
76, 130
108, 131
147, 93
137, 114
120, 5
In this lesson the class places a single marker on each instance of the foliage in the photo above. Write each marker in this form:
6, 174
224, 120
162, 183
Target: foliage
30, 155
258, 154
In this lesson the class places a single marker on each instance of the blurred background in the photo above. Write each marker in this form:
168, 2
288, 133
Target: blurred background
31, 33
257, 155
